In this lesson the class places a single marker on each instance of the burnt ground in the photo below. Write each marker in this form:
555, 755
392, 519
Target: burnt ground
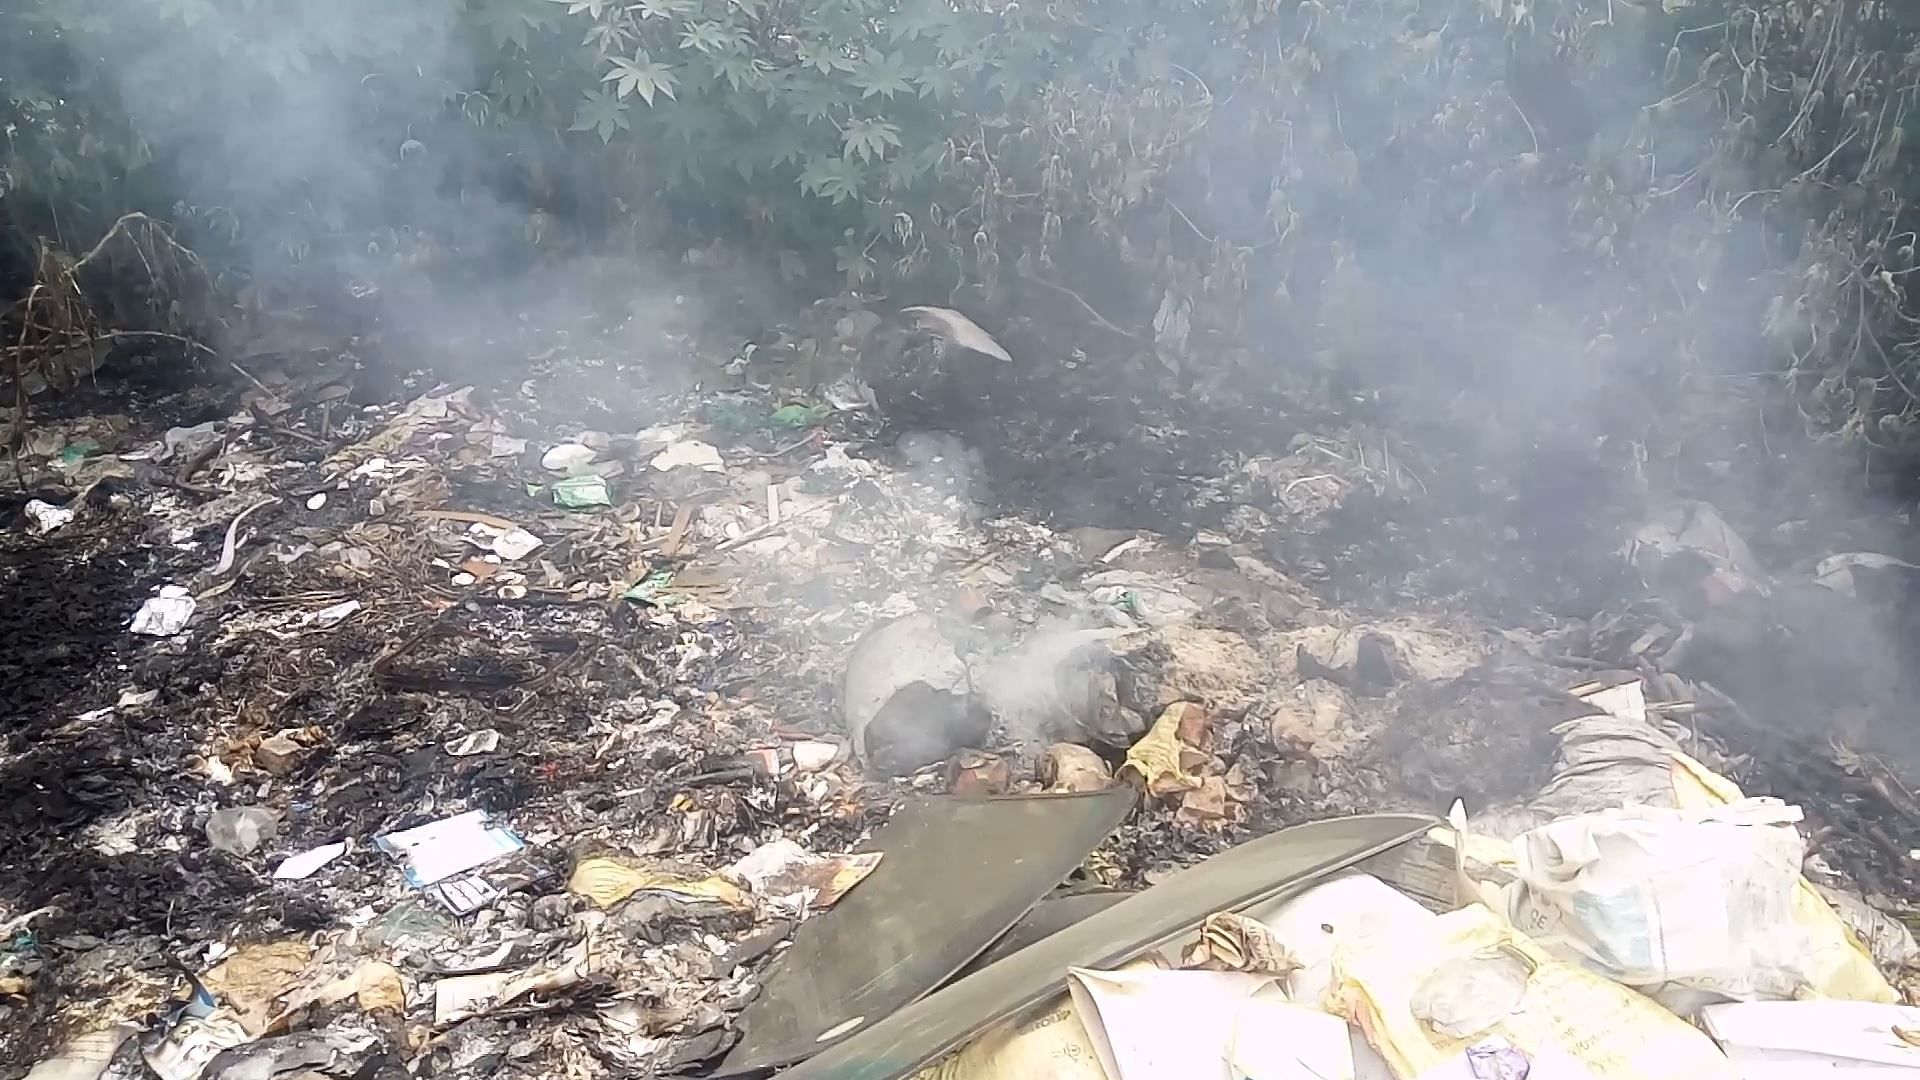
624, 722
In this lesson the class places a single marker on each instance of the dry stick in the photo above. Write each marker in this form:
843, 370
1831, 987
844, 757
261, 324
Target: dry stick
1097, 317
162, 335
771, 527
19, 439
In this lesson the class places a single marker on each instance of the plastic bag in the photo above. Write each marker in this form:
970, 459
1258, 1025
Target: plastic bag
1848, 972
1670, 900
1568, 1023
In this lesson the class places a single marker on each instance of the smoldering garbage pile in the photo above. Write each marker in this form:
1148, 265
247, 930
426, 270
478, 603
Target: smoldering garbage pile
439, 738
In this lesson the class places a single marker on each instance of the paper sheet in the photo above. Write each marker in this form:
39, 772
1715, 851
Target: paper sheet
1205, 1025
1791, 1040
451, 846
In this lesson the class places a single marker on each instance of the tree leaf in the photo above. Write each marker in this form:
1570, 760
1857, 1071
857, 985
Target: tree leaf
831, 177
868, 140
881, 74
641, 75
601, 111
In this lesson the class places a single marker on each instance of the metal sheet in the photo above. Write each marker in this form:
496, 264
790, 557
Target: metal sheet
957, 874
1259, 870
1048, 917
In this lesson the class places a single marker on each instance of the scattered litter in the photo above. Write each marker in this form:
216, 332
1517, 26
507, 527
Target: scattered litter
1697, 529
318, 500
231, 544
839, 464
465, 996
975, 774
581, 492
956, 329
1402, 983
407, 925
85, 1057
690, 454
279, 754
651, 589
44, 517
609, 879
240, 830
166, 614
193, 1044
332, 615
1234, 942
307, 863
799, 416
1071, 767
1498, 1059
1161, 759
254, 977
1837, 572
566, 457
510, 544
455, 845
792, 876
485, 741
189, 439
375, 986
1791, 1040
463, 895
1147, 599
1690, 906
812, 755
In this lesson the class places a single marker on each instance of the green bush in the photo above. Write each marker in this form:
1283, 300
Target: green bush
1536, 195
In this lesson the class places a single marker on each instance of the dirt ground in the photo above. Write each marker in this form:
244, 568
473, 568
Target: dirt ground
1369, 619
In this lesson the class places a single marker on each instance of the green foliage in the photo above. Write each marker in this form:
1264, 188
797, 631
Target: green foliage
1618, 181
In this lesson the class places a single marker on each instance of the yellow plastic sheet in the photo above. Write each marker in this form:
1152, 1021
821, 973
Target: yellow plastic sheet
609, 879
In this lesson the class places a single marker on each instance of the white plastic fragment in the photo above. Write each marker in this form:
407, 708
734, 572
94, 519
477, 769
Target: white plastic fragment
166, 614
44, 517
517, 544
484, 741
306, 863
812, 755
690, 454
566, 457
318, 500
334, 614
509, 544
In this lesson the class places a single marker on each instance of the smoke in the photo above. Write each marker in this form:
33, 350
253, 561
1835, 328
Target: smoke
1495, 230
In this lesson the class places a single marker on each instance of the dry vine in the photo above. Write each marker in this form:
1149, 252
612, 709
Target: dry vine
57, 317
